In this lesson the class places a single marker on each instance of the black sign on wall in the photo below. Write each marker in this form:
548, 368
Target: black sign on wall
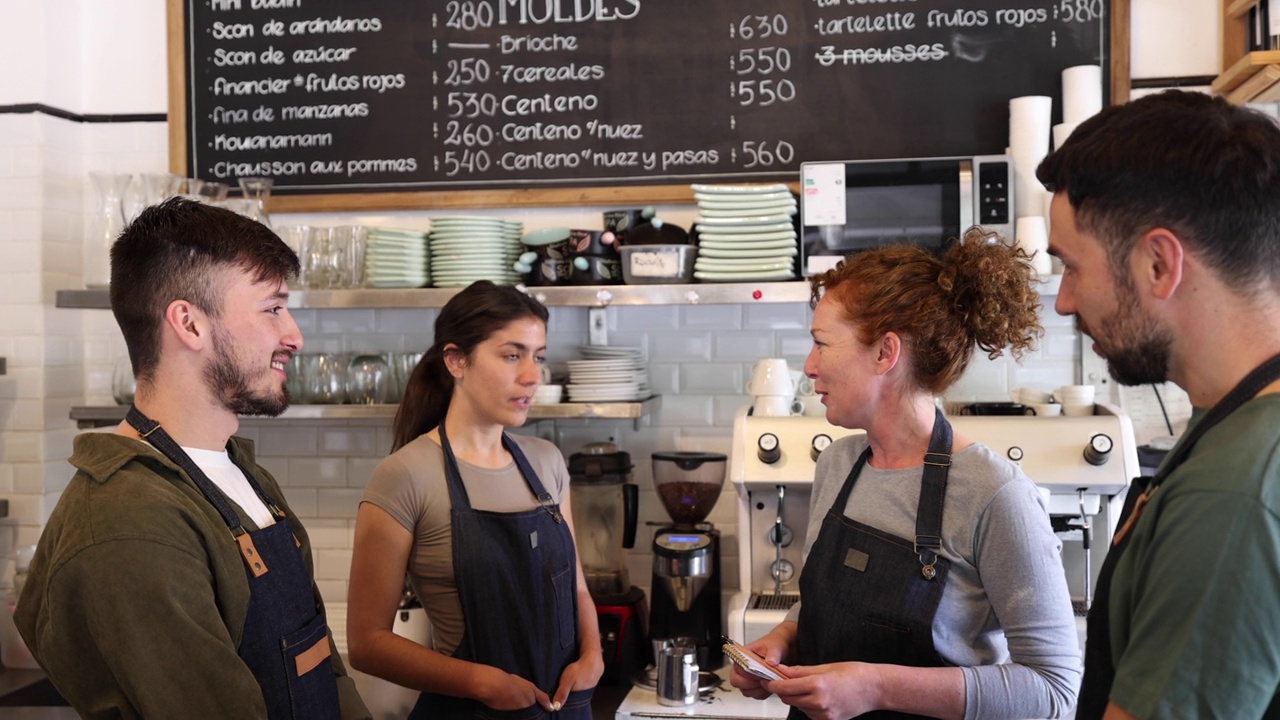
375, 96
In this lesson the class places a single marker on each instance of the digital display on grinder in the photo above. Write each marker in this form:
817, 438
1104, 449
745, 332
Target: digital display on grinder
683, 538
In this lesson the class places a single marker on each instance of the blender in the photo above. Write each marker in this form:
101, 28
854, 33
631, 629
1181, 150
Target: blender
686, 555
604, 502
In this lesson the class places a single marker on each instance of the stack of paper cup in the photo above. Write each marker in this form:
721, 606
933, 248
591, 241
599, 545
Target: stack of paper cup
1081, 99
1061, 132
1081, 93
1029, 118
1032, 235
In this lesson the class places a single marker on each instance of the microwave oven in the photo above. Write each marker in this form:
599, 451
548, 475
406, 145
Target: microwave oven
853, 205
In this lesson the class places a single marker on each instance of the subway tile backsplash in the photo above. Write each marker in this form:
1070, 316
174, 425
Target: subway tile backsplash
699, 355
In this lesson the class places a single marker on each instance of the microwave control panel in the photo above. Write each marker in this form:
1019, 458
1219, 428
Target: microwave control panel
995, 188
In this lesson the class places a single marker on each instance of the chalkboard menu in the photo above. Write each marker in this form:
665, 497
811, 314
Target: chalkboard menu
376, 96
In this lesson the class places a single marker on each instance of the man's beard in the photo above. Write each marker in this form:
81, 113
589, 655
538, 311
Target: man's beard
1136, 348
231, 386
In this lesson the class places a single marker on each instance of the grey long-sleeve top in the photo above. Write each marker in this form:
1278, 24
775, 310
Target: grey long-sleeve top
1005, 617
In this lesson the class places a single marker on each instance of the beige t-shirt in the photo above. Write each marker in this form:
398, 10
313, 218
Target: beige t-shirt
409, 484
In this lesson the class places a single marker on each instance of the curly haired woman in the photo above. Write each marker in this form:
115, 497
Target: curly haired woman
932, 583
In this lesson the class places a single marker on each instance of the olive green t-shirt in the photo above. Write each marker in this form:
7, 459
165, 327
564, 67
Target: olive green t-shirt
409, 485
1195, 599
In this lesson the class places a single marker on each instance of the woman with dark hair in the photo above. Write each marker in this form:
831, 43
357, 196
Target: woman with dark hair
480, 521
932, 583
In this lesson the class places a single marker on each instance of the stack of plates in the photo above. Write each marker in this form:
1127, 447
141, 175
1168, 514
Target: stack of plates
608, 374
745, 233
396, 258
466, 249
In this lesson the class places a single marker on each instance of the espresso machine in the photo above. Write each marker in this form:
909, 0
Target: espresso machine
605, 502
686, 607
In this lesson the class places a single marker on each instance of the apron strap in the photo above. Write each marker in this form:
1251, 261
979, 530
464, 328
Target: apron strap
933, 492
1244, 391
151, 431
458, 491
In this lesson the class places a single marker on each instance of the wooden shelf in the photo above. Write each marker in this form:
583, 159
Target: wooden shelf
1252, 78
93, 416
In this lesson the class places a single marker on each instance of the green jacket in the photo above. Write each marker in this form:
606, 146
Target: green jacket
136, 598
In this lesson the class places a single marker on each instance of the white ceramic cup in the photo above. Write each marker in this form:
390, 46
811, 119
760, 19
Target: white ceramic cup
805, 388
812, 405
1046, 409
776, 406
1074, 394
1077, 410
1030, 396
544, 374
548, 394
770, 376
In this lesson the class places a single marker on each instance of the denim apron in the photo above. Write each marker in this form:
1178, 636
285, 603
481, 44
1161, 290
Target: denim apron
517, 577
1099, 670
285, 640
868, 595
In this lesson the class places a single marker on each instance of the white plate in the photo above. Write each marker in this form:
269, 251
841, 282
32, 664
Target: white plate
610, 350
789, 235
762, 255
397, 232
737, 202
734, 266
722, 276
748, 211
603, 362
774, 219
378, 283
745, 228
375, 239
460, 219
396, 254
746, 245
739, 189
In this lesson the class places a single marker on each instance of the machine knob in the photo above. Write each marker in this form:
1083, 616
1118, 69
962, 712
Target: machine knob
781, 535
1015, 454
1098, 449
782, 570
820, 443
769, 449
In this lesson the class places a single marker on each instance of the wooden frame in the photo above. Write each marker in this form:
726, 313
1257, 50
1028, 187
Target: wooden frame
514, 197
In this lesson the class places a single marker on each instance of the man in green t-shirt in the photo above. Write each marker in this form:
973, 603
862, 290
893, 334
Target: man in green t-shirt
1166, 216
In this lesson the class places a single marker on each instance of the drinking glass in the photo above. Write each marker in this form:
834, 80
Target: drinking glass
369, 380
123, 384
326, 378
298, 238
105, 226
346, 252
257, 189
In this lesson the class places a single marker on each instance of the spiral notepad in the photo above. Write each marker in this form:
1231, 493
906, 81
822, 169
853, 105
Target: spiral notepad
750, 662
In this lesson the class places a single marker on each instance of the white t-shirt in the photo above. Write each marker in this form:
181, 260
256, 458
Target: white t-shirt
232, 482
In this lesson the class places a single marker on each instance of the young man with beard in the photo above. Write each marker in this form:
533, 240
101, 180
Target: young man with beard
172, 580
1166, 215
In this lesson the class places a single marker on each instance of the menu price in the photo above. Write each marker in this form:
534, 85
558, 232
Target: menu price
338, 95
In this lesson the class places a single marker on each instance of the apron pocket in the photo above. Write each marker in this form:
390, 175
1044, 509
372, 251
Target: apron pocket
313, 691
566, 587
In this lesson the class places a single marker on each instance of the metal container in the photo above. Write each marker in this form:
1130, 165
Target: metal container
654, 264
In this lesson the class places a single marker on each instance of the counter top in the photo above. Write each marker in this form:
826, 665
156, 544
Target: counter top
725, 703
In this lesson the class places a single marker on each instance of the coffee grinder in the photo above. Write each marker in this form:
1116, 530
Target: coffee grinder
605, 502
685, 608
